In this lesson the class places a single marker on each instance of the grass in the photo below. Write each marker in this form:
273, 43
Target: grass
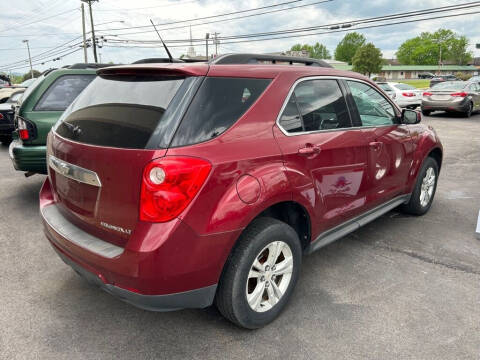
418, 83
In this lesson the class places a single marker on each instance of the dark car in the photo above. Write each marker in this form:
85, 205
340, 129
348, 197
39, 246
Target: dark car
43, 104
426, 75
443, 78
181, 185
452, 96
6, 116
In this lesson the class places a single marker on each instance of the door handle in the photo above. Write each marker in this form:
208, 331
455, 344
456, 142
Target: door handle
309, 149
376, 145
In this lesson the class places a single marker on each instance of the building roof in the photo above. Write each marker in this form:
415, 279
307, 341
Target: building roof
414, 67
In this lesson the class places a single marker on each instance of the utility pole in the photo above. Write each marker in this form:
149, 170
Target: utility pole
207, 36
215, 34
29, 57
85, 56
94, 44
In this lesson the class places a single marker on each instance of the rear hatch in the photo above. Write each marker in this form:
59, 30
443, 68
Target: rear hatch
446, 92
97, 152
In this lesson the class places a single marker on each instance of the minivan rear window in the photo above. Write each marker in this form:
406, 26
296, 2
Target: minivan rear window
119, 111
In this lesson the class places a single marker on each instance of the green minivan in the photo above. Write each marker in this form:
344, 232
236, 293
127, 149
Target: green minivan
42, 105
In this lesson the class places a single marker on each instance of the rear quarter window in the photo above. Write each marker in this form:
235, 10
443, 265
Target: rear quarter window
218, 104
62, 92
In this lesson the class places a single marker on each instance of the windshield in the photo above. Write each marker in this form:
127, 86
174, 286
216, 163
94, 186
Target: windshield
449, 85
119, 111
15, 97
32, 86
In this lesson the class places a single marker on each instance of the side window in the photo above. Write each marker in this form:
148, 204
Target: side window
218, 104
373, 108
62, 92
290, 120
315, 105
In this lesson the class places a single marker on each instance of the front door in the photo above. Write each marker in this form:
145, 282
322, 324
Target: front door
390, 145
326, 159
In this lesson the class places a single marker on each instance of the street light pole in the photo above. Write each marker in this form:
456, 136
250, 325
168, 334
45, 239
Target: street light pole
85, 56
207, 36
29, 57
94, 44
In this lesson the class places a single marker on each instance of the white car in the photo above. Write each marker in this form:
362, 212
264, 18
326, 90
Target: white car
404, 95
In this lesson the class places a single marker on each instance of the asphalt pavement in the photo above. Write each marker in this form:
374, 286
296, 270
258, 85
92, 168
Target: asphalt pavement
402, 287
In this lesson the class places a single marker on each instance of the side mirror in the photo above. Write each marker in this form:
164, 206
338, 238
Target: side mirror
410, 117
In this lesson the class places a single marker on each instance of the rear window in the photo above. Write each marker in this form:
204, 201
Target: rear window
405, 87
62, 92
449, 85
218, 104
119, 111
385, 86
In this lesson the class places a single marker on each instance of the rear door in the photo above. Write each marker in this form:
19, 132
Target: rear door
326, 158
389, 143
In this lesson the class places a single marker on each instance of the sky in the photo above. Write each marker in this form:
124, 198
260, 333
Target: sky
48, 24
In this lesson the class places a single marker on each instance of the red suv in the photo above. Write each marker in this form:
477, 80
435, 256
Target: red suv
182, 185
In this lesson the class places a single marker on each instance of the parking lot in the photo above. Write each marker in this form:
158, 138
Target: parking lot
400, 288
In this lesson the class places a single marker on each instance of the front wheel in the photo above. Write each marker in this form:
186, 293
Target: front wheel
424, 191
260, 274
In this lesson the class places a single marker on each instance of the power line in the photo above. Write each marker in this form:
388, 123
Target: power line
149, 7
37, 21
42, 63
358, 21
212, 16
324, 32
225, 20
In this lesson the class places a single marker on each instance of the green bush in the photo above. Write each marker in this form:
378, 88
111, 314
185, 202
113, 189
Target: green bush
463, 76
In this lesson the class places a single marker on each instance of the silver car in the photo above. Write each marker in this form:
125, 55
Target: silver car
452, 96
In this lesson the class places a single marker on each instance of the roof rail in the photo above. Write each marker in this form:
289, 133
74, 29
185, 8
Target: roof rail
89, 66
156, 60
267, 58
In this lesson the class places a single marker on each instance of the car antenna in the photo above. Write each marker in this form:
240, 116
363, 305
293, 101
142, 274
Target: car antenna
165, 46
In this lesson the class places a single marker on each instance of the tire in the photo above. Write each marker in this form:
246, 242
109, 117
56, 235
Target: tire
5, 140
469, 111
416, 206
426, 112
236, 284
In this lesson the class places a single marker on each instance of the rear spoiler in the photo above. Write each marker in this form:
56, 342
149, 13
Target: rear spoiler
170, 69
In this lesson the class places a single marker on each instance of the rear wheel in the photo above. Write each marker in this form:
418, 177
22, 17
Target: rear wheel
426, 112
260, 274
469, 111
424, 191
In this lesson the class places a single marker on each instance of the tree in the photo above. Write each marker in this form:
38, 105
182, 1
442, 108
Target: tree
28, 75
425, 49
317, 51
346, 49
368, 60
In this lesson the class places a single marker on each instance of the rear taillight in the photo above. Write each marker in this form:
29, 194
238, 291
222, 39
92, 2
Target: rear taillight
1, 116
459, 94
427, 94
23, 130
169, 184
408, 94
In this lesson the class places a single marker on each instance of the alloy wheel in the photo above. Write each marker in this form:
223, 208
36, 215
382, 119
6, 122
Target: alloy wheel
269, 276
428, 185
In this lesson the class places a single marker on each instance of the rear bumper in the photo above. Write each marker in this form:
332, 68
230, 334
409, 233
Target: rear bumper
162, 267
404, 102
28, 158
198, 298
459, 106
